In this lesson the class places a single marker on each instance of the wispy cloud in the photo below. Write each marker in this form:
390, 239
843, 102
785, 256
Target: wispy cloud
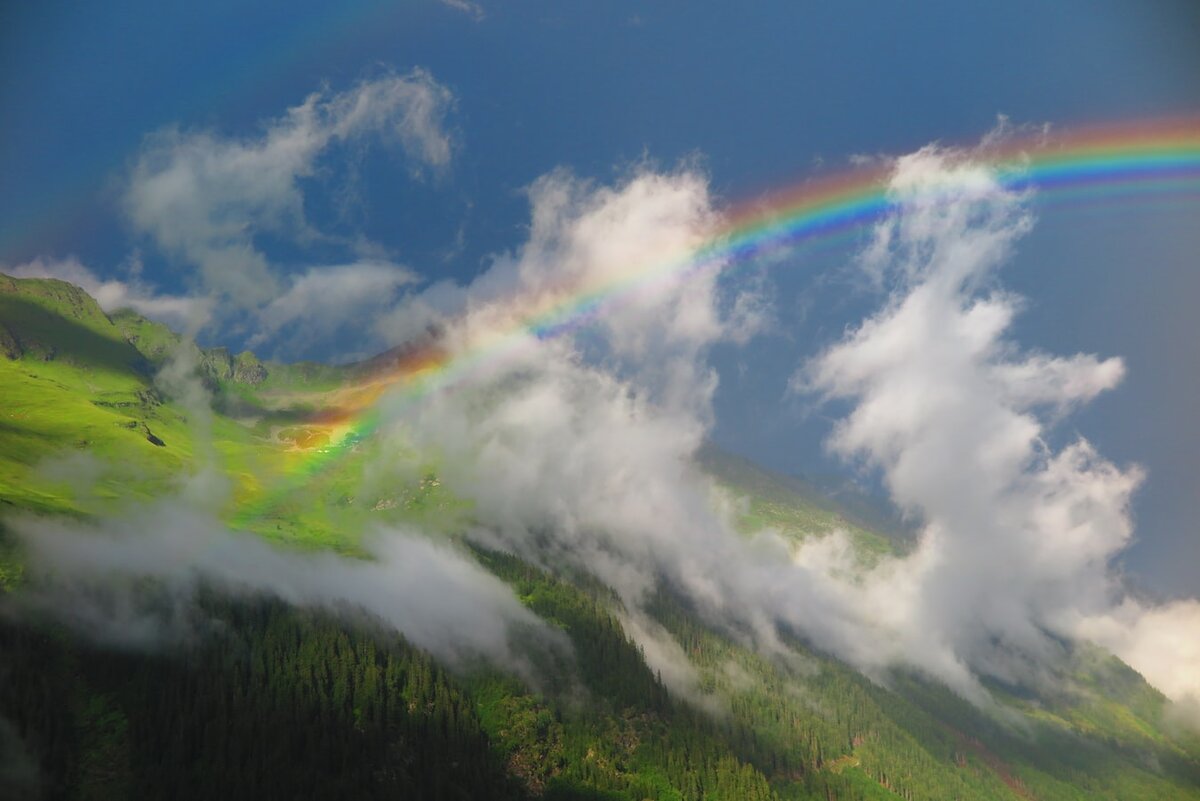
473, 10
206, 201
203, 198
325, 301
91, 574
435, 596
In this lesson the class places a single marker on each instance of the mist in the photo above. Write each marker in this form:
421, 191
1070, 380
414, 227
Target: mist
88, 575
92, 575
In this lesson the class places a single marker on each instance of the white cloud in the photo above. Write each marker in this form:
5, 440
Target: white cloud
435, 595
204, 198
1018, 538
625, 248
576, 448
474, 10
178, 311
1160, 642
323, 301
409, 109
416, 314
575, 444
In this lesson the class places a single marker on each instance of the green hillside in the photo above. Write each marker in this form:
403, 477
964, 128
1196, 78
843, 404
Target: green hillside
794, 508
271, 702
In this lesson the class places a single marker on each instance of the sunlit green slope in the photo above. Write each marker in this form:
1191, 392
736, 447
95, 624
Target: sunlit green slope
281, 703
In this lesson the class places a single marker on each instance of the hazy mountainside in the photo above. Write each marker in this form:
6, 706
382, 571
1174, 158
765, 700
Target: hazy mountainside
798, 508
267, 701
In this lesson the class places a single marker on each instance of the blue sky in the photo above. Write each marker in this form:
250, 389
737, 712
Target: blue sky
761, 97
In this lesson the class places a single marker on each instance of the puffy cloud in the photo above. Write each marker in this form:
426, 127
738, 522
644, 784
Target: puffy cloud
179, 311
573, 432
612, 264
576, 449
604, 343
1017, 538
571, 454
204, 198
586, 240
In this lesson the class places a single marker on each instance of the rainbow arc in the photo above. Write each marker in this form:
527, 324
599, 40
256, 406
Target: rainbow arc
1104, 164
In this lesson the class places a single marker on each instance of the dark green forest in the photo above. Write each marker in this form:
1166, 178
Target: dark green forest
265, 701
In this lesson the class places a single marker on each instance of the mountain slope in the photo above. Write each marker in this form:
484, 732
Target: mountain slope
797, 509
265, 701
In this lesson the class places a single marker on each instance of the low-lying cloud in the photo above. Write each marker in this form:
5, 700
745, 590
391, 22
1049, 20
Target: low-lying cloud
92, 574
577, 449
88, 575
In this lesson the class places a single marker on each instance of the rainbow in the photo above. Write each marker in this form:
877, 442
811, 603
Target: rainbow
1103, 164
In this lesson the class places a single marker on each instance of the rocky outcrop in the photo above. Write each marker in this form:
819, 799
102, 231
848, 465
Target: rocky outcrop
219, 366
152, 438
247, 369
10, 346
